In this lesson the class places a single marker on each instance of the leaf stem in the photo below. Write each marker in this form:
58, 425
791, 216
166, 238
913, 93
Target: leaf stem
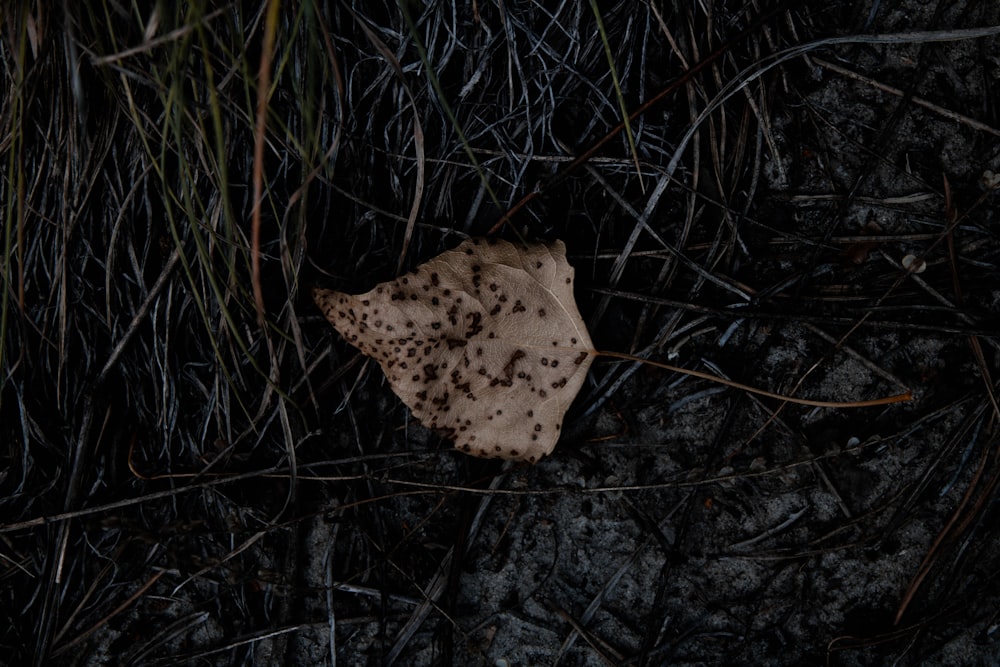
885, 400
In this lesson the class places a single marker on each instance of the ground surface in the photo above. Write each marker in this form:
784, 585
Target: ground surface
180, 485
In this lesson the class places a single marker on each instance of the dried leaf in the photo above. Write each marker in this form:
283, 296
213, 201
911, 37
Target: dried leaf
483, 343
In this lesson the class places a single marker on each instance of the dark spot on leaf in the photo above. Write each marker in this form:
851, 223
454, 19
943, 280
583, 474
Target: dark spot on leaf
475, 327
508, 370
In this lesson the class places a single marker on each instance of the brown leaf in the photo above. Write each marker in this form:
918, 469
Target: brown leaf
483, 342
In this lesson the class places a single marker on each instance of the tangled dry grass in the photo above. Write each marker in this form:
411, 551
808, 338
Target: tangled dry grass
193, 470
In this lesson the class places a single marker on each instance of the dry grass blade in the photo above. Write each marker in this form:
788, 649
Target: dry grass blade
263, 93
418, 140
626, 121
63, 648
443, 100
